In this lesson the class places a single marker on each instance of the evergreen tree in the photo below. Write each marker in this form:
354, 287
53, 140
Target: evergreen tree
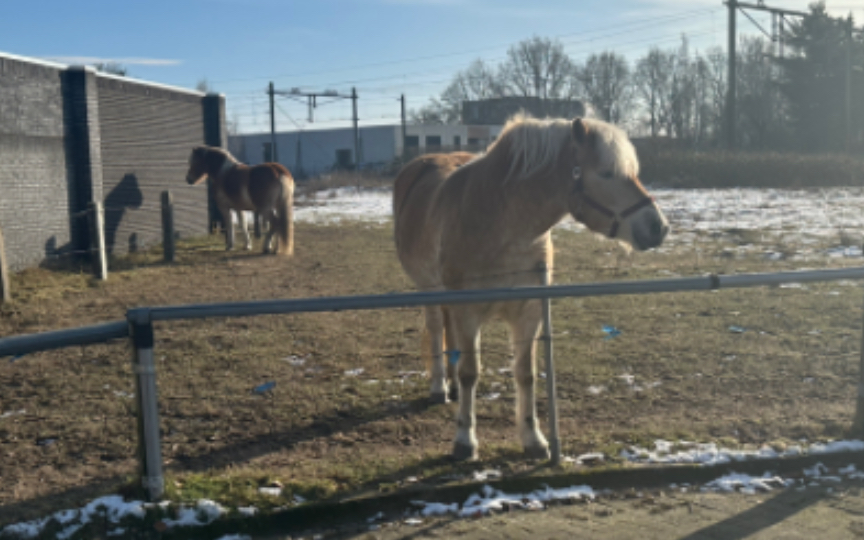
814, 80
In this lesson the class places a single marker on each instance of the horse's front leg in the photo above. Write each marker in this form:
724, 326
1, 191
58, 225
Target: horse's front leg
244, 226
467, 339
525, 325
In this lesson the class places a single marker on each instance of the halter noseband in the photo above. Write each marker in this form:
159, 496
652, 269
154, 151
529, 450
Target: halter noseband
579, 187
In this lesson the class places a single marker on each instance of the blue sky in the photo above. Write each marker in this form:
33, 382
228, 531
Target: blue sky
384, 48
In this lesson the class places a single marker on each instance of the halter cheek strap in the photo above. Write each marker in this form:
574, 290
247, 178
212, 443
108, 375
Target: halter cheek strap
579, 187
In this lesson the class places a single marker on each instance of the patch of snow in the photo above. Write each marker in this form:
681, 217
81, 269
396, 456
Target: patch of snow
205, 511
803, 216
711, 454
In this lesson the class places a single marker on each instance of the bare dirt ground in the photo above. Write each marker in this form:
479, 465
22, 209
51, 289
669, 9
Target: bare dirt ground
740, 367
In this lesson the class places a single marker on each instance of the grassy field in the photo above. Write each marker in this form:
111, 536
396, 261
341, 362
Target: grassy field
680, 369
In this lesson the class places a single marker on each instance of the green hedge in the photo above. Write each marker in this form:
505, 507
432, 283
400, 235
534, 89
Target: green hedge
683, 169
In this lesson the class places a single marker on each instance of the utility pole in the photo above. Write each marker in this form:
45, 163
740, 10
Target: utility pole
731, 76
732, 6
310, 100
848, 91
273, 153
402, 117
356, 135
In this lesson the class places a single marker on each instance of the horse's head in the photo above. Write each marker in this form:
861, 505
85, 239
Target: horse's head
606, 194
197, 166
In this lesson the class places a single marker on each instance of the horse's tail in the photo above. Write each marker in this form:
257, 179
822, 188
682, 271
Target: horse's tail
285, 217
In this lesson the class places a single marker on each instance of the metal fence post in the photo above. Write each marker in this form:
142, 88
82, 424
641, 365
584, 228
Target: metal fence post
547, 338
96, 217
167, 227
857, 429
149, 449
5, 293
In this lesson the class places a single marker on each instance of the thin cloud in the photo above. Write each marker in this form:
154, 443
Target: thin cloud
89, 60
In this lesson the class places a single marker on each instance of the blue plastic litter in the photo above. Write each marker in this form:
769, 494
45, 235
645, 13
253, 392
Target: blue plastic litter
611, 331
262, 388
453, 357
737, 329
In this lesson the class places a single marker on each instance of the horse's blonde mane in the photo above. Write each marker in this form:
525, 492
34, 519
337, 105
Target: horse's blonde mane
535, 144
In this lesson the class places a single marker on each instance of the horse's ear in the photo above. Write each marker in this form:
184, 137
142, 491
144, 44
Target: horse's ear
579, 131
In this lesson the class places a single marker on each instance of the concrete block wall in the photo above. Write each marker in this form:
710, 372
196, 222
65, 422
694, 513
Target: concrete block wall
34, 190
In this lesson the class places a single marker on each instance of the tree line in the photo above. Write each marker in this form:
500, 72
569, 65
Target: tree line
811, 99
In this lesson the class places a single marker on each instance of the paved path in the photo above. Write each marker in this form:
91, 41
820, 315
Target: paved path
824, 512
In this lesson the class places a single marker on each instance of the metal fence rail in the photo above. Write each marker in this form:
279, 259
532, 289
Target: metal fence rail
139, 328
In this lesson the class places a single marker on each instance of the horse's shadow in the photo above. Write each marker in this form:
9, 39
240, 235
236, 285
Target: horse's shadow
124, 196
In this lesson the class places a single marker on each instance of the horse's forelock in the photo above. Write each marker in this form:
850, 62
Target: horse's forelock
532, 144
613, 150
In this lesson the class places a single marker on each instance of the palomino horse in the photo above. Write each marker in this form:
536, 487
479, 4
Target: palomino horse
267, 189
470, 222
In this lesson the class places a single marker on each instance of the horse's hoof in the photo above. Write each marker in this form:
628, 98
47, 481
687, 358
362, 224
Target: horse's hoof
464, 452
437, 398
537, 452
454, 393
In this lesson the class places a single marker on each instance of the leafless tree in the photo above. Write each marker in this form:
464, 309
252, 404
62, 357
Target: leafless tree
538, 67
475, 82
651, 83
605, 82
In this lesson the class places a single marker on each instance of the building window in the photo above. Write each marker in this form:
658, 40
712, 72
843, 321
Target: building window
457, 141
433, 142
267, 152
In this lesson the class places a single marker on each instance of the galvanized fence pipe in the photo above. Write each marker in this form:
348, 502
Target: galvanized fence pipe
149, 445
416, 299
55, 339
547, 337
5, 293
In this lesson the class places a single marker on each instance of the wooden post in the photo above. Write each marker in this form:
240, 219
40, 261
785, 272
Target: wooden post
96, 217
167, 226
5, 292
547, 338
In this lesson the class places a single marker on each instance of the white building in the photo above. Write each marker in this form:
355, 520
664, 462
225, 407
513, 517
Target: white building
310, 153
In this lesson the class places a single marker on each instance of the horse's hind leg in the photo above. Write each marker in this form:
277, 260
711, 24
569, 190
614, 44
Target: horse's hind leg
269, 218
228, 221
525, 325
434, 321
244, 226
452, 357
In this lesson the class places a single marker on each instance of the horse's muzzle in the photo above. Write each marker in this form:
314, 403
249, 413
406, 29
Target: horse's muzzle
651, 233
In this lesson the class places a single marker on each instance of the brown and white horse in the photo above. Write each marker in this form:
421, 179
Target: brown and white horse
267, 189
470, 222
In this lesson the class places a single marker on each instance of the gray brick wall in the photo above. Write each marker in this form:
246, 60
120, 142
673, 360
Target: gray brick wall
146, 136
69, 136
34, 178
